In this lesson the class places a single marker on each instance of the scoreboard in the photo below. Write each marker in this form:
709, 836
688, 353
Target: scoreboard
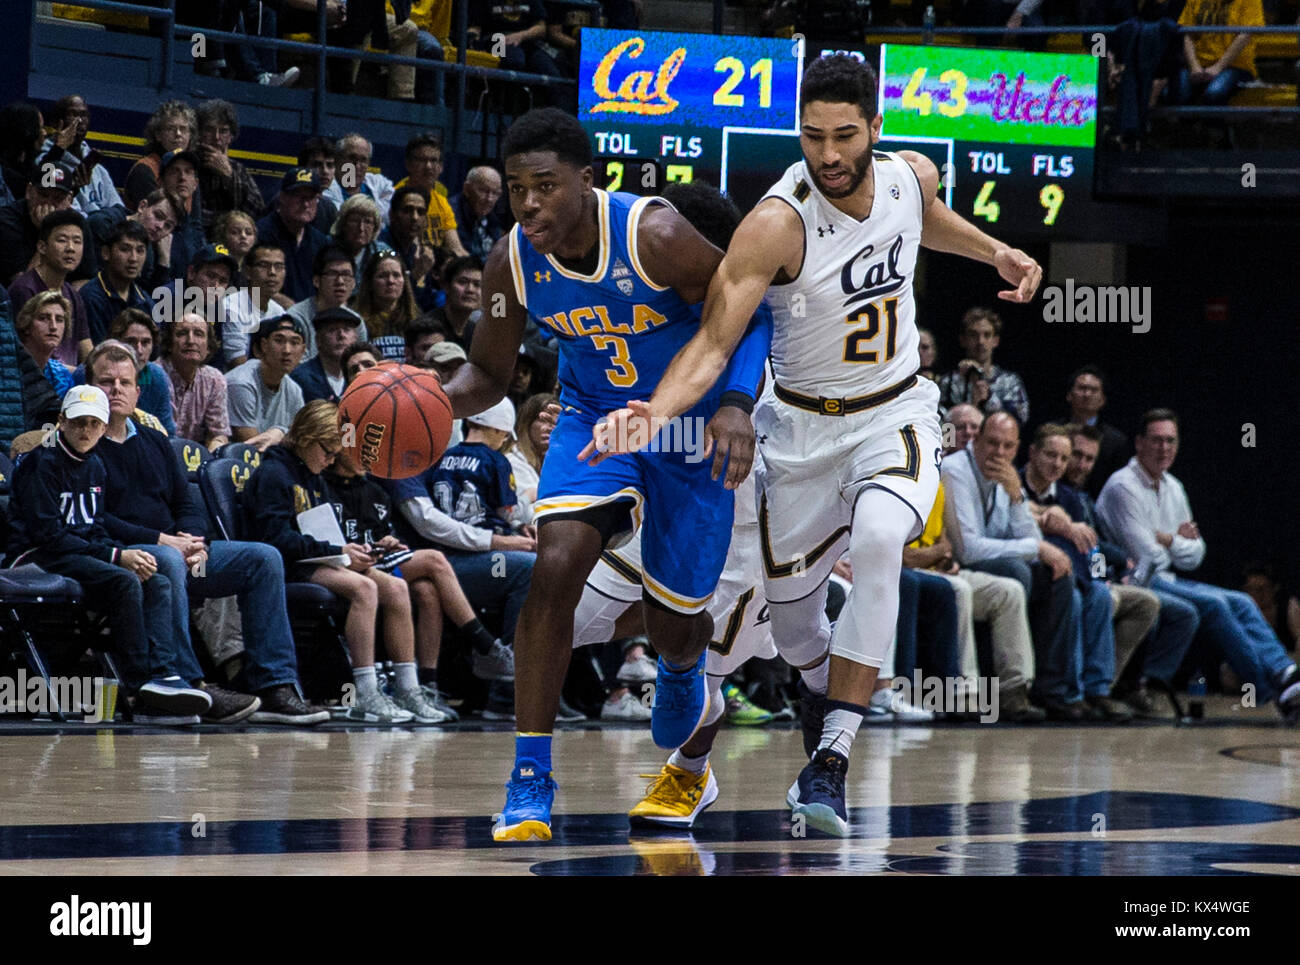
675, 99
1012, 133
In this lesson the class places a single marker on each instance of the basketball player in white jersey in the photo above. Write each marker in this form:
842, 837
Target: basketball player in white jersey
851, 443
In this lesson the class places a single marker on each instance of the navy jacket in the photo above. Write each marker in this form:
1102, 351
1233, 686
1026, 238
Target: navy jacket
57, 506
147, 492
311, 377
280, 489
103, 305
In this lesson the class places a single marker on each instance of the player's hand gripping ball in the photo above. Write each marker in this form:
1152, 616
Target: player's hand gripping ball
395, 420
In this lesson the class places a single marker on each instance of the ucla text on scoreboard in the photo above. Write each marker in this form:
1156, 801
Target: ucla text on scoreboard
666, 95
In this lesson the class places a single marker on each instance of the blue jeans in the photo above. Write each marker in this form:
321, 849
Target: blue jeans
1214, 94
495, 580
1168, 642
925, 598
1054, 615
254, 572
1096, 650
428, 83
1233, 625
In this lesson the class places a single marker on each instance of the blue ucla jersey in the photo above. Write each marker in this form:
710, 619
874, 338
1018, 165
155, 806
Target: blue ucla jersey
617, 329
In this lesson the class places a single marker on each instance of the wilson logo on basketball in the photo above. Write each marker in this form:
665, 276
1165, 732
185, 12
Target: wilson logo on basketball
371, 439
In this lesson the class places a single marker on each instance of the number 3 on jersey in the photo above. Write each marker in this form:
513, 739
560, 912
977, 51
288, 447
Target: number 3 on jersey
853, 350
623, 374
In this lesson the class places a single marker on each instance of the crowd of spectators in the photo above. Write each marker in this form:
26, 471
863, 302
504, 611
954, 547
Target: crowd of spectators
206, 311
1075, 560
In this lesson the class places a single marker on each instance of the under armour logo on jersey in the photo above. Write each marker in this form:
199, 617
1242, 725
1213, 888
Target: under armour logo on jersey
823, 232
537, 275
762, 439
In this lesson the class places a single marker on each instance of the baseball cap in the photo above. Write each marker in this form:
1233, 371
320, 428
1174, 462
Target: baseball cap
500, 416
54, 175
336, 315
85, 400
296, 178
173, 156
214, 254
441, 352
280, 323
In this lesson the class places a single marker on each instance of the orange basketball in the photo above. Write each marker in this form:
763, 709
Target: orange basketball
399, 419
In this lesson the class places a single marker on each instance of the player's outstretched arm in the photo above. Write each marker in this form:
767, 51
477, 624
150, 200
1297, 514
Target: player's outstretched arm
766, 239
482, 382
945, 230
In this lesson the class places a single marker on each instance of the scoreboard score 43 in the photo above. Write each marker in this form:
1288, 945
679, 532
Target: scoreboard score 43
1012, 133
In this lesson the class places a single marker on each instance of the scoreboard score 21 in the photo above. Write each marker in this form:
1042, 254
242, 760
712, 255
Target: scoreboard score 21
1011, 132
672, 98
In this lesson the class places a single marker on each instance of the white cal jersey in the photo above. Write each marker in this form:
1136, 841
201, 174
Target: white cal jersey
846, 327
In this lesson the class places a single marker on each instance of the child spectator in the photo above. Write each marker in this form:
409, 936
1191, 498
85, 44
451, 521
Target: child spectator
365, 511
289, 483
473, 482
238, 232
57, 522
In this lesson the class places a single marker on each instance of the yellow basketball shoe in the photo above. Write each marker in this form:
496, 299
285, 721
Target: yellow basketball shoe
675, 799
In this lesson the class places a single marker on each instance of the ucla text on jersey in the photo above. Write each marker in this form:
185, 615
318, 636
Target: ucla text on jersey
617, 329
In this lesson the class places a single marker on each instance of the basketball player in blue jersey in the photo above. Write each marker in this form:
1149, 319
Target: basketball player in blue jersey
614, 277
850, 438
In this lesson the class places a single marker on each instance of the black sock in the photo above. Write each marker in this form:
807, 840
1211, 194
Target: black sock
428, 676
478, 635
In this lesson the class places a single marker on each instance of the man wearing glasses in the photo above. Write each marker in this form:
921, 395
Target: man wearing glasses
333, 279
244, 309
261, 397
1145, 509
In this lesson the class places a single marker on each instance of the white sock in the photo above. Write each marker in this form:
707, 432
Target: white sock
817, 678
364, 678
839, 729
696, 765
407, 677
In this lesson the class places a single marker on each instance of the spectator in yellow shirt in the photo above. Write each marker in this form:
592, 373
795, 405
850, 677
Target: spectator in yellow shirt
1216, 63
423, 166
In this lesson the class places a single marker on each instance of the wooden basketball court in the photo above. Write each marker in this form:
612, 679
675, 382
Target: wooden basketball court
1219, 797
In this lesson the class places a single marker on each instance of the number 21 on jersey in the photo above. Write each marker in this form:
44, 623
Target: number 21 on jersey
871, 314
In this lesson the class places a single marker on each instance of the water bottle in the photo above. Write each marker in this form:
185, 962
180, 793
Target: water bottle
1196, 697
927, 32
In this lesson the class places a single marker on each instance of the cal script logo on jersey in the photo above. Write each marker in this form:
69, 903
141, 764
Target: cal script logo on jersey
643, 92
881, 277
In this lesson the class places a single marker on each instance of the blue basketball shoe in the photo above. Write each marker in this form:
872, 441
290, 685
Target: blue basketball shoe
527, 813
818, 794
681, 701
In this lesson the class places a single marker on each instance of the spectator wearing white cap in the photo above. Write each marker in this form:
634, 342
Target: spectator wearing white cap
56, 517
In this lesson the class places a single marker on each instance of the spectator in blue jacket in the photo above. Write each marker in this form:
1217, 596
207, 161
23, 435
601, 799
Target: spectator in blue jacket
56, 519
148, 505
